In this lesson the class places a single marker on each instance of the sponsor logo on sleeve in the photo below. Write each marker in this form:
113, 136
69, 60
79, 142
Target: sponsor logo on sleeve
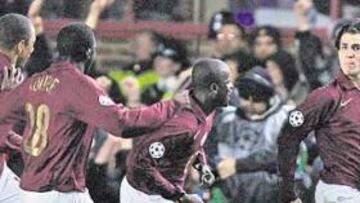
105, 101
296, 118
157, 150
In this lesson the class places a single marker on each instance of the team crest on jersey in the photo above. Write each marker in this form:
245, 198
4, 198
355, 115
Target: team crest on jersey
296, 118
105, 101
157, 150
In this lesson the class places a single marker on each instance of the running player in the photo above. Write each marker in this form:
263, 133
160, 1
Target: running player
333, 113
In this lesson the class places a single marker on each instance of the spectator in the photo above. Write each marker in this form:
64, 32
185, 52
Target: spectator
168, 63
281, 67
229, 36
238, 63
265, 41
244, 141
143, 48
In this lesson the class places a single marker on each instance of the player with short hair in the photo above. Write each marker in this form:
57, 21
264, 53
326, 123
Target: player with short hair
63, 108
333, 113
17, 38
158, 164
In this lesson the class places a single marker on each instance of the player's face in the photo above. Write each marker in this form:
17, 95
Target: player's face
349, 55
25, 48
225, 88
264, 46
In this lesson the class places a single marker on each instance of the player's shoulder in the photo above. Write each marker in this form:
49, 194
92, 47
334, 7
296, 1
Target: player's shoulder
186, 119
74, 76
328, 92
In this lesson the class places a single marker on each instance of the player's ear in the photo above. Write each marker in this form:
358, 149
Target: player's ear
214, 88
20, 47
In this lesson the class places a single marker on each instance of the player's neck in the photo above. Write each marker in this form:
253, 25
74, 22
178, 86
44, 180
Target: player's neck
356, 80
81, 67
205, 104
11, 55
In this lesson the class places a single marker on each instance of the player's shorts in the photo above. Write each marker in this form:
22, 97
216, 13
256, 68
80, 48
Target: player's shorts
331, 193
128, 194
9, 186
55, 197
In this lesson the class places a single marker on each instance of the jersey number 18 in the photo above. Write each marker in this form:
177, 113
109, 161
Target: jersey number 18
39, 124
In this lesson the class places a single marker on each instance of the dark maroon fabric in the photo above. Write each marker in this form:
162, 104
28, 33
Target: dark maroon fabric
183, 137
4, 62
333, 112
76, 107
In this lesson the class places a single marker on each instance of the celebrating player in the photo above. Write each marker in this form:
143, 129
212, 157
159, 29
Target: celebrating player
333, 113
17, 37
63, 108
158, 164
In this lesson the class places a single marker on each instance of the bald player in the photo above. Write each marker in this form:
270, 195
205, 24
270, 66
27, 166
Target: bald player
158, 165
17, 38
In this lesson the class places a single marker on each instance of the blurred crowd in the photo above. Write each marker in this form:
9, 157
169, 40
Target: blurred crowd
269, 81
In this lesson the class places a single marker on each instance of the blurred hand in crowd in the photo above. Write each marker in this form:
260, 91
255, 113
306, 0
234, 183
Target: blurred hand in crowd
131, 88
226, 168
302, 7
104, 83
298, 200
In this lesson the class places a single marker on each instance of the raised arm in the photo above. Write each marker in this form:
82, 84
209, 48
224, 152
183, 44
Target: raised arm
95, 11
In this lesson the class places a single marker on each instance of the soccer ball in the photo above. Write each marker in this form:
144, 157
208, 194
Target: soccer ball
157, 150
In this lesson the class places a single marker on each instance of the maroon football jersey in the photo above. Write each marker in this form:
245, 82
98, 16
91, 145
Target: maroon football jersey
64, 107
333, 112
158, 164
4, 62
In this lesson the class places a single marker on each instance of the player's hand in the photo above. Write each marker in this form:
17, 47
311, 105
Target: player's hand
207, 177
101, 5
298, 200
183, 98
226, 168
191, 198
12, 78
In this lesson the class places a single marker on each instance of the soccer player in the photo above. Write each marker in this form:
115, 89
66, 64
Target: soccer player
17, 37
63, 108
158, 164
333, 112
